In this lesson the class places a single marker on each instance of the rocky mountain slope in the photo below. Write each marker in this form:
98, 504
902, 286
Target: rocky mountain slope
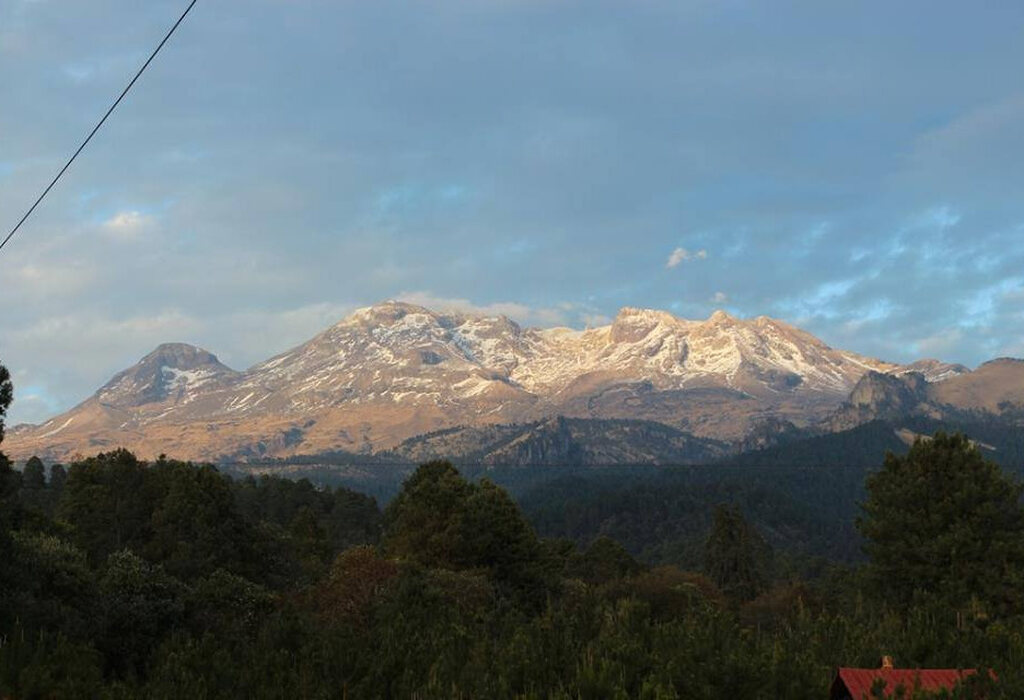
563, 442
393, 371
995, 388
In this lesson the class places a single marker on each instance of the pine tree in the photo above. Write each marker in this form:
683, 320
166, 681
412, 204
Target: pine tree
34, 475
58, 475
945, 522
6, 396
440, 520
736, 558
10, 481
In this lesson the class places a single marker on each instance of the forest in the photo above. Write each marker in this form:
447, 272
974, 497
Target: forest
122, 578
126, 578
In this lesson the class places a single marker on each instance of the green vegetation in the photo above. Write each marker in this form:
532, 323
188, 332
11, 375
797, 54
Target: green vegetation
121, 578
736, 558
945, 524
663, 516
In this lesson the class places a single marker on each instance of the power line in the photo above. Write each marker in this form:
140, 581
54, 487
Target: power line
98, 125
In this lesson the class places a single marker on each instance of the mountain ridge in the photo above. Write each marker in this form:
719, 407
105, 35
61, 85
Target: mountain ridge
392, 371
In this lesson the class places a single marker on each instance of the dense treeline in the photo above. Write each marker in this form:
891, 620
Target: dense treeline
800, 467
663, 517
167, 579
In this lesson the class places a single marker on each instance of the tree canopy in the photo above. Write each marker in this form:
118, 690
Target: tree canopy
945, 523
441, 520
736, 558
6, 396
163, 579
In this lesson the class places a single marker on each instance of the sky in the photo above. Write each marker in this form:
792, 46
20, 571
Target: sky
853, 168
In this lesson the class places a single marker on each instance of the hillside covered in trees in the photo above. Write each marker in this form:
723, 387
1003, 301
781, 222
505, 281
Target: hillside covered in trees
122, 578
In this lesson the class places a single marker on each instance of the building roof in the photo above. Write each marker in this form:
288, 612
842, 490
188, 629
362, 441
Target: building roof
858, 681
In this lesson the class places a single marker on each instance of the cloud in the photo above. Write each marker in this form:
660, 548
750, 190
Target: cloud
987, 140
34, 407
566, 313
95, 335
34, 281
128, 225
440, 303
595, 320
545, 316
680, 255
940, 344
79, 73
719, 298
245, 337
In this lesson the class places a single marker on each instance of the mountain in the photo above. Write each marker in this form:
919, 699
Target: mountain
995, 388
880, 396
394, 371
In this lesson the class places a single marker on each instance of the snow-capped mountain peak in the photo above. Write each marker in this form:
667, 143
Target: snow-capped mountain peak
173, 371
393, 370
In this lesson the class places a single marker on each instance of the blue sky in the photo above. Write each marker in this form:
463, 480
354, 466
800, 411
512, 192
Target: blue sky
852, 168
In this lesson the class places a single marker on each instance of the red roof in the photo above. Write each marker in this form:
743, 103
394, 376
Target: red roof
858, 681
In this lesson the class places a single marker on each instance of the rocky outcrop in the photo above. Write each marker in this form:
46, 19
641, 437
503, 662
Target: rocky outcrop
880, 396
564, 441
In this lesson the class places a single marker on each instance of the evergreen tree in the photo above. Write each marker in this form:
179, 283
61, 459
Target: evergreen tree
10, 481
106, 501
442, 521
423, 521
604, 560
6, 396
193, 527
58, 476
34, 475
139, 605
309, 541
10, 503
735, 556
945, 523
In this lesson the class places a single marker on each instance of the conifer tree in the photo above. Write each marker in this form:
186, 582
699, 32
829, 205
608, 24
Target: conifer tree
736, 558
945, 522
10, 481
6, 396
34, 476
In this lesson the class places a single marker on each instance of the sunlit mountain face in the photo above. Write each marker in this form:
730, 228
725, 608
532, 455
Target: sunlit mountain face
394, 371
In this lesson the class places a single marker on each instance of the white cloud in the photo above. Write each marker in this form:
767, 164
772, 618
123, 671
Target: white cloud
720, 298
32, 407
939, 344
971, 138
79, 73
94, 337
439, 303
244, 338
128, 225
680, 255
45, 281
561, 314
